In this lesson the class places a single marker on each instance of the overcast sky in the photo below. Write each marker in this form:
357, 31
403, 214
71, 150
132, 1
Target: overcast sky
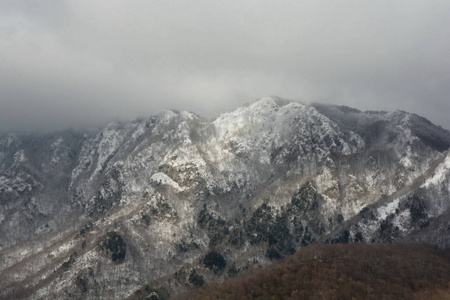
80, 63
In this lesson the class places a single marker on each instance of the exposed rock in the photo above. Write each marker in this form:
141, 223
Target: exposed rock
145, 203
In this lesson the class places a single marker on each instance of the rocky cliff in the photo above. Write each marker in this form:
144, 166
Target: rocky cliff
175, 200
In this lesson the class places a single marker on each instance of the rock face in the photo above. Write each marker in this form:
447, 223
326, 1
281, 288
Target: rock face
166, 203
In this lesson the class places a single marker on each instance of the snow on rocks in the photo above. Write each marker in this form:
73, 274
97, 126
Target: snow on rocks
387, 209
161, 178
150, 178
441, 174
19, 157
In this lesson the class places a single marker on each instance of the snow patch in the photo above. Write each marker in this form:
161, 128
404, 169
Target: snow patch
386, 210
19, 157
406, 160
440, 174
56, 145
111, 139
139, 131
161, 178
401, 220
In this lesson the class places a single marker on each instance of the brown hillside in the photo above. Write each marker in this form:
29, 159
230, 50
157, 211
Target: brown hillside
344, 271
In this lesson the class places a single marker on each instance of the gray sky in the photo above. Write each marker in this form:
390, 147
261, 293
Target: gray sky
66, 63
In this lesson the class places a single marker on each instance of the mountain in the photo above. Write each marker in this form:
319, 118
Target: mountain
175, 200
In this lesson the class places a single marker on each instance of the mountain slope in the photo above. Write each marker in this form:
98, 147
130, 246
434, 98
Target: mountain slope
101, 213
352, 271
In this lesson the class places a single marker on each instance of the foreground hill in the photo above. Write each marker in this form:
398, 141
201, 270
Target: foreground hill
350, 271
175, 199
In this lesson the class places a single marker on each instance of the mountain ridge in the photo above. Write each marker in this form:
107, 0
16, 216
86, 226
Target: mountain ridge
254, 185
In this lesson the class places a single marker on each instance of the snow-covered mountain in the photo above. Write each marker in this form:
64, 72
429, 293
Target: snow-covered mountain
170, 201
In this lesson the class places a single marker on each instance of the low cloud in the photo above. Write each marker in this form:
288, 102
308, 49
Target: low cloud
82, 63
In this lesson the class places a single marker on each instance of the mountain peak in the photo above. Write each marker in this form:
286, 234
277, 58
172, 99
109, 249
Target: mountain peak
174, 190
272, 100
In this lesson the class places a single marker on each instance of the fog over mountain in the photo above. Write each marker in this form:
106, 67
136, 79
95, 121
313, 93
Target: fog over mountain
165, 203
138, 159
75, 63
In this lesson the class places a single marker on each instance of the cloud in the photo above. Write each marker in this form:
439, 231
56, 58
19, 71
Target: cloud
82, 63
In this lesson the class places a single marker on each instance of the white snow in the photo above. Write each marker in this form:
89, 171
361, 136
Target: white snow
3, 181
63, 248
161, 178
440, 174
386, 210
239, 150
139, 131
406, 160
55, 147
19, 157
111, 139
401, 220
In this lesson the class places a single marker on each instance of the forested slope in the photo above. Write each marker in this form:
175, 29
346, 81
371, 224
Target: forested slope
344, 271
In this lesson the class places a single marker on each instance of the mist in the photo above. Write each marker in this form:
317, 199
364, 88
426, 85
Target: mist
81, 63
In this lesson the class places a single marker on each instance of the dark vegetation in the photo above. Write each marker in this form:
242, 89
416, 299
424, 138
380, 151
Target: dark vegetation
114, 247
82, 284
343, 271
85, 229
264, 227
217, 228
284, 232
149, 293
372, 128
145, 219
195, 279
68, 263
417, 208
109, 193
434, 136
214, 261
